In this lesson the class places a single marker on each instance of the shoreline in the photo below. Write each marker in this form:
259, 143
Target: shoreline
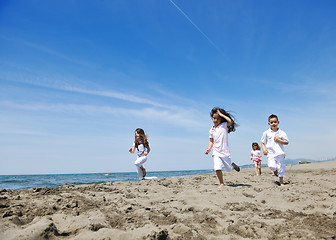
179, 208
12, 182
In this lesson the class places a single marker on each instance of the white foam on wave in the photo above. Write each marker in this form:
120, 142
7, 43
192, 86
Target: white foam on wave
150, 178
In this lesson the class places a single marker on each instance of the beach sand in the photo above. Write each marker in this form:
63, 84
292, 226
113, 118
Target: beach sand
247, 207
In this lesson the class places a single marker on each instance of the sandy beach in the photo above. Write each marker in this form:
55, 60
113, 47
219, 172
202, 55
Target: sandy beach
247, 207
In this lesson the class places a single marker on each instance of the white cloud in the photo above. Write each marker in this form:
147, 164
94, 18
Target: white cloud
50, 51
22, 132
312, 86
182, 118
113, 94
71, 85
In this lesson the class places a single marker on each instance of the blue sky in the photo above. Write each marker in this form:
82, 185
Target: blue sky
78, 77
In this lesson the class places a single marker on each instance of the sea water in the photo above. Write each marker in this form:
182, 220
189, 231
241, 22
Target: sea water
15, 182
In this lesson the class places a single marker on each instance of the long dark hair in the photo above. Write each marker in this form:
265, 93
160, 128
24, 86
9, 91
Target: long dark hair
234, 125
256, 144
143, 137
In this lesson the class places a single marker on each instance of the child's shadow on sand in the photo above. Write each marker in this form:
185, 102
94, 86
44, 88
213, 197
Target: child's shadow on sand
278, 183
239, 185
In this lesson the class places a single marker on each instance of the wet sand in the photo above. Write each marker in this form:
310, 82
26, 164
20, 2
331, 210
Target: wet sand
247, 207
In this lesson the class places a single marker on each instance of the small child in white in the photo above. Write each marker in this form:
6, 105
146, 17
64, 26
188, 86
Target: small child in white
223, 124
256, 157
142, 146
272, 142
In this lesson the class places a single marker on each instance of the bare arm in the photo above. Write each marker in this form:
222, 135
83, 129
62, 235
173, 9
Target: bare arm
264, 149
132, 149
209, 146
148, 150
229, 121
281, 141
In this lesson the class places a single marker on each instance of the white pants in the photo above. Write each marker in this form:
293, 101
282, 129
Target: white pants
222, 162
277, 164
138, 163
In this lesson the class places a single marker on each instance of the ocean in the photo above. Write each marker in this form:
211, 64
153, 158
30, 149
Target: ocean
15, 182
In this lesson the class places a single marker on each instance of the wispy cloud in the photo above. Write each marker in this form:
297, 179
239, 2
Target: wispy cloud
184, 114
71, 86
302, 85
41, 48
314, 89
182, 118
116, 95
16, 131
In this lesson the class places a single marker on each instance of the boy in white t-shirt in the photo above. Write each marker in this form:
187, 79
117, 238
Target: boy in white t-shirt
272, 143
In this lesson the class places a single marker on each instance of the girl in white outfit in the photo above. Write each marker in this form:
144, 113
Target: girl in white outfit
256, 157
223, 124
142, 146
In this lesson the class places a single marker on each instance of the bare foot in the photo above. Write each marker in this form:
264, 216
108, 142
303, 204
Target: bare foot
220, 186
281, 180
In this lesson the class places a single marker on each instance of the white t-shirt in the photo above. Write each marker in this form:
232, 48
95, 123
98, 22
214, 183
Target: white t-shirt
220, 144
141, 149
274, 148
256, 153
